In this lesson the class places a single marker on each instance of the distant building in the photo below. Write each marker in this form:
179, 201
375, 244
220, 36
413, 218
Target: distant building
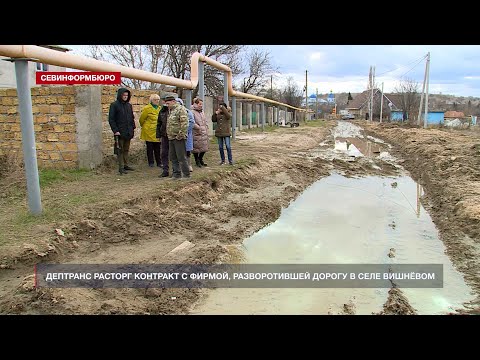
454, 115
331, 98
7, 69
359, 106
397, 115
312, 100
433, 116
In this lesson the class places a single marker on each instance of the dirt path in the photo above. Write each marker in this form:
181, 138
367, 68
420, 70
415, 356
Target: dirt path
151, 216
214, 211
447, 164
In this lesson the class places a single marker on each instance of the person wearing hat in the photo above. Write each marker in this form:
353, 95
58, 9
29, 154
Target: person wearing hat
189, 142
162, 135
122, 123
176, 128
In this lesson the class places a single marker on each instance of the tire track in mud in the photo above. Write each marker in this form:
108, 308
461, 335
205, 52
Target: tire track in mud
212, 214
209, 213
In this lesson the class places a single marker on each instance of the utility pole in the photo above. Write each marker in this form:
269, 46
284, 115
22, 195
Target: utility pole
316, 104
370, 98
381, 105
306, 92
421, 97
271, 86
426, 91
371, 102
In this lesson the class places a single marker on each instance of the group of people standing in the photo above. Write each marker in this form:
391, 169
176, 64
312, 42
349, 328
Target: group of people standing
171, 132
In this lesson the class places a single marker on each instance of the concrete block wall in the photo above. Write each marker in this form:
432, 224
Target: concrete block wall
54, 124
71, 124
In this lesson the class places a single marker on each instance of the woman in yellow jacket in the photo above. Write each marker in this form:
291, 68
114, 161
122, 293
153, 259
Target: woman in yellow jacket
148, 122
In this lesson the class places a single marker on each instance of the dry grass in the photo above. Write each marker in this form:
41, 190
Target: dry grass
12, 176
72, 194
315, 123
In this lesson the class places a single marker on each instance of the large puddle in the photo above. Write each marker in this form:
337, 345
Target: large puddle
340, 220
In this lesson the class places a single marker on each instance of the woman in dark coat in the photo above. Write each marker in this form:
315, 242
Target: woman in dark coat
122, 123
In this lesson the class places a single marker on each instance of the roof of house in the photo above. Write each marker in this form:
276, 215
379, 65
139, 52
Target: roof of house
395, 99
359, 100
454, 114
362, 99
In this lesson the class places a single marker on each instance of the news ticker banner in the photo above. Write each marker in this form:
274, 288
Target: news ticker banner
239, 276
78, 77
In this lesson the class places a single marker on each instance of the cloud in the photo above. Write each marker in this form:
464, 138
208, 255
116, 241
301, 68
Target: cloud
453, 68
316, 56
342, 68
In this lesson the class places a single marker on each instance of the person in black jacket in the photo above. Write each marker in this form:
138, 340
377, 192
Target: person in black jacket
122, 123
162, 135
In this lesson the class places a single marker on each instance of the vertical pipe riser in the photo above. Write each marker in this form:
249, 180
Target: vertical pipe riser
28, 137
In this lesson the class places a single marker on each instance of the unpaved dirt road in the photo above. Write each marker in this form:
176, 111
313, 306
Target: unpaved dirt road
447, 164
221, 206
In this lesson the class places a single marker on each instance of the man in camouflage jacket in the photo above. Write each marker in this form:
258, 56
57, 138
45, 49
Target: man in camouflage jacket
177, 125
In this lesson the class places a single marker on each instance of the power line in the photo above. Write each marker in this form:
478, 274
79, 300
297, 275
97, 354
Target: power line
405, 73
419, 60
399, 78
423, 58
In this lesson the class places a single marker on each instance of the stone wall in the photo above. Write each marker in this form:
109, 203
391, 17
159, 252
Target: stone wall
54, 124
71, 124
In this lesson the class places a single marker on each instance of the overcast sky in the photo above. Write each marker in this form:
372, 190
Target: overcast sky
454, 69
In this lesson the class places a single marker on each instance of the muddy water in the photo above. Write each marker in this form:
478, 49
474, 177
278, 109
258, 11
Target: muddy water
339, 220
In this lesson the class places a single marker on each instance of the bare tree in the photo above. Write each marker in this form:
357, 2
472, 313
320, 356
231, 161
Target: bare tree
172, 60
157, 55
409, 98
178, 60
178, 64
144, 57
260, 71
291, 93
271, 93
468, 110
